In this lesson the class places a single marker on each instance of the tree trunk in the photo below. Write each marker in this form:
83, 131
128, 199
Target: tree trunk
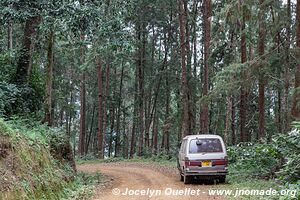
167, 123
134, 118
207, 29
261, 81
91, 131
285, 103
48, 118
112, 125
100, 109
105, 103
233, 132
296, 96
227, 119
24, 64
10, 35
141, 64
82, 115
155, 133
82, 133
119, 112
244, 93
125, 136
184, 83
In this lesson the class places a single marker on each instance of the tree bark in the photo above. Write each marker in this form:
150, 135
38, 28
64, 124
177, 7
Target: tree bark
134, 118
105, 102
100, 109
10, 35
296, 96
112, 125
141, 64
24, 63
82, 133
207, 29
285, 103
261, 81
184, 82
244, 93
155, 133
119, 112
48, 118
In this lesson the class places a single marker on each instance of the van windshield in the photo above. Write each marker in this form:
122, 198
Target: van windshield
208, 145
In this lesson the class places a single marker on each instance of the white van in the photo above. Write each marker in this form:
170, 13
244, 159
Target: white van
202, 156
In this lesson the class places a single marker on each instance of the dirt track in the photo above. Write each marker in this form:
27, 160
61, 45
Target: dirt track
137, 176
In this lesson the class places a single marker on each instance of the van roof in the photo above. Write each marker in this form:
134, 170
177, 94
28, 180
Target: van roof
202, 136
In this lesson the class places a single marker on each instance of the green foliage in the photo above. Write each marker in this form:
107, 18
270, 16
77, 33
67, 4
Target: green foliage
289, 146
278, 159
247, 159
27, 146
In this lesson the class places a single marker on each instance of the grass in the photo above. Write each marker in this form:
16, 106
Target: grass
29, 172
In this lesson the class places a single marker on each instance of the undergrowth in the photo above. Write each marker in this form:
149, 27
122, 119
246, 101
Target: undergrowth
28, 169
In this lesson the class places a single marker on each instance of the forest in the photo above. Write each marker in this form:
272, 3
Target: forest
127, 79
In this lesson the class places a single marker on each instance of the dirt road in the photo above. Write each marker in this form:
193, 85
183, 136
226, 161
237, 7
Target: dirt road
141, 181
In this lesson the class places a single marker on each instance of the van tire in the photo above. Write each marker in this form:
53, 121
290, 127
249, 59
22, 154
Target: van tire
222, 179
181, 177
186, 179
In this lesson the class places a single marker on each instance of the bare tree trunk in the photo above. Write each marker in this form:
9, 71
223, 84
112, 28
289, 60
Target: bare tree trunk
82, 133
119, 112
82, 115
134, 120
233, 132
184, 82
112, 125
261, 81
207, 29
105, 103
285, 106
10, 35
48, 118
100, 109
167, 123
91, 131
243, 91
125, 136
141, 64
155, 133
228, 117
296, 96
24, 63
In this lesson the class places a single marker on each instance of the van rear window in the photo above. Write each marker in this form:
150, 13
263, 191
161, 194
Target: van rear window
209, 145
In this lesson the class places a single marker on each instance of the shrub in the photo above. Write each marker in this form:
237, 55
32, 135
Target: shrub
259, 160
289, 146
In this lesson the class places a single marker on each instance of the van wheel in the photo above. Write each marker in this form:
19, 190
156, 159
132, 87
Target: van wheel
186, 179
181, 177
222, 179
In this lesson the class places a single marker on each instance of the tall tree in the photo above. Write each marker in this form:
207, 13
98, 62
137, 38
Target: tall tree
207, 6
296, 96
100, 109
119, 113
25, 60
82, 133
184, 81
10, 34
49, 80
262, 78
244, 92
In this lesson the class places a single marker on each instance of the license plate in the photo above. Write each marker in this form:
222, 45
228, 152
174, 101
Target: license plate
206, 163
